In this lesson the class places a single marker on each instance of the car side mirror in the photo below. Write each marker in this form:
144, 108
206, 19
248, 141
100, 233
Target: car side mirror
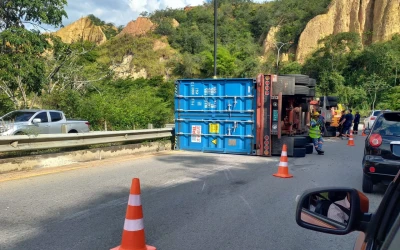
332, 210
36, 120
367, 131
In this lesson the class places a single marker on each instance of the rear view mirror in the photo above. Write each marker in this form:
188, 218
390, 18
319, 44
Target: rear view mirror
334, 210
36, 120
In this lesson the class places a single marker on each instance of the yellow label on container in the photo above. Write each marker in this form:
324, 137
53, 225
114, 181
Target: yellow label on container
214, 128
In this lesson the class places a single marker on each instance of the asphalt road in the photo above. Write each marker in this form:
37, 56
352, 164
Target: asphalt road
191, 201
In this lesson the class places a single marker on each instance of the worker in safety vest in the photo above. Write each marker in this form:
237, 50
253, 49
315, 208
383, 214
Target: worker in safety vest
315, 133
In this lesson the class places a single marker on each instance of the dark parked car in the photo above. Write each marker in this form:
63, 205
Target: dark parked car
381, 160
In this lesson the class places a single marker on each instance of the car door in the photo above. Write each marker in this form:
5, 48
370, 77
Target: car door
56, 122
385, 222
43, 127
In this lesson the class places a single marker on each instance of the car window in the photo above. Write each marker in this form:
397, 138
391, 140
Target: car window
55, 116
388, 124
18, 116
376, 113
42, 116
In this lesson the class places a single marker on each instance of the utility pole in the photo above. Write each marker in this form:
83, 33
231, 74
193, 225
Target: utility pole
215, 38
279, 46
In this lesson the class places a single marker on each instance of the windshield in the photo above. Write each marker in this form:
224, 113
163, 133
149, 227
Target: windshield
388, 124
18, 116
376, 113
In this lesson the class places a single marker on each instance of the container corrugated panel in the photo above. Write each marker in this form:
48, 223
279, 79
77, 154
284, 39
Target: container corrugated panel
215, 115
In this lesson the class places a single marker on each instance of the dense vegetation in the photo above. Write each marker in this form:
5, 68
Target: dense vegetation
38, 70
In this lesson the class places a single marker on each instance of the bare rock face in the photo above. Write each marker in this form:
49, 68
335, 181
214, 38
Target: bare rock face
83, 29
175, 23
269, 46
141, 26
125, 70
377, 17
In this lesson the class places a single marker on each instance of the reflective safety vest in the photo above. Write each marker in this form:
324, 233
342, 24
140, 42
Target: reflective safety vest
315, 131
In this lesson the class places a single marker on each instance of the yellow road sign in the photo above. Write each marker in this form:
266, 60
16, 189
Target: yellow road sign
214, 141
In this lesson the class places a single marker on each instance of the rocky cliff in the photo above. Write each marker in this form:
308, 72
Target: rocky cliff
374, 20
141, 26
83, 29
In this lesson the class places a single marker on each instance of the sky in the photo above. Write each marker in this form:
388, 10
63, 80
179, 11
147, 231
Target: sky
120, 12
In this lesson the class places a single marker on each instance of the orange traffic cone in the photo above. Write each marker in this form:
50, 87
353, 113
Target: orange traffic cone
363, 133
351, 140
133, 237
283, 169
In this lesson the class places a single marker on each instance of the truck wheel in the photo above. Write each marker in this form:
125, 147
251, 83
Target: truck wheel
312, 82
300, 79
311, 93
309, 148
299, 141
305, 107
329, 133
72, 132
299, 152
367, 185
302, 90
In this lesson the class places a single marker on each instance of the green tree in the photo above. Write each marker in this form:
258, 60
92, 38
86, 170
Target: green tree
374, 85
16, 13
226, 66
22, 66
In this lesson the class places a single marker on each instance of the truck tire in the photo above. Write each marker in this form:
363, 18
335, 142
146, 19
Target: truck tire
309, 149
299, 141
332, 101
330, 134
299, 152
311, 93
305, 107
312, 83
302, 90
300, 79
367, 185
331, 129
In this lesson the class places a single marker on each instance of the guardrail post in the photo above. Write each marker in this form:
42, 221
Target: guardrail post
150, 126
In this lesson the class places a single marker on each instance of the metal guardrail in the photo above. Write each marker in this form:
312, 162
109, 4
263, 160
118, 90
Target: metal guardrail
48, 141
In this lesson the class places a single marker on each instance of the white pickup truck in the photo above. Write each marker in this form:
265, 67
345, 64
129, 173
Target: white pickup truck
30, 121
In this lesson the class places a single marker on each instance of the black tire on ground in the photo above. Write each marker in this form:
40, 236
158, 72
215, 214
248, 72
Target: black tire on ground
302, 90
305, 107
299, 141
299, 152
72, 132
367, 185
331, 129
309, 148
309, 139
330, 134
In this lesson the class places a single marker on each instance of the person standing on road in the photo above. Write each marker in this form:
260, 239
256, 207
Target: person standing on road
340, 128
356, 122
315, 133
347, 122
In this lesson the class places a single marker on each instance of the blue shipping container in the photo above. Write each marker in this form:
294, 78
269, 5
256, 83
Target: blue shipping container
216, 115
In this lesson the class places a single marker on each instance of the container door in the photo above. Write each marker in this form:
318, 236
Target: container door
215, 115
